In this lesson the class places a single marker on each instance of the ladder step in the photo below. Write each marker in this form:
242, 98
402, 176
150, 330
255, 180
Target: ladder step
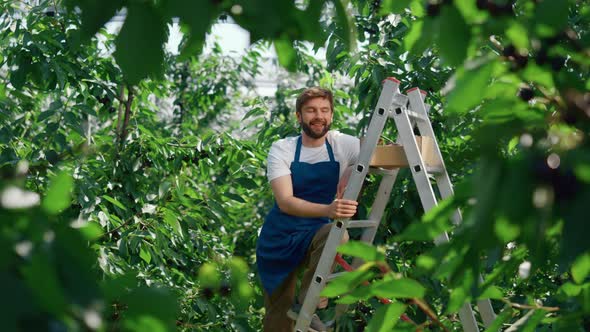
435, 169
381, 171
411, 114
416, 116
362, 223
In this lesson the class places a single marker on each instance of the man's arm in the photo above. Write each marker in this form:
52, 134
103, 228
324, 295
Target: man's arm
282, 189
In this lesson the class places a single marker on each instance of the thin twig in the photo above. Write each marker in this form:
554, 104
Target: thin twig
127, 115
426, 309
120, 112
515, 327
531, 307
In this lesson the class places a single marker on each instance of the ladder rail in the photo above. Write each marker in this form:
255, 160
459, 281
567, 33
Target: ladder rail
377, 212
352, 191
407, 112
426, 192
443, 181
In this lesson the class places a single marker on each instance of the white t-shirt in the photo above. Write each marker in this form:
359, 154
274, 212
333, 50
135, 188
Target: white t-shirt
282, 153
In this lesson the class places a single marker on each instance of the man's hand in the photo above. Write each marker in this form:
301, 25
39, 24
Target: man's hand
342, 208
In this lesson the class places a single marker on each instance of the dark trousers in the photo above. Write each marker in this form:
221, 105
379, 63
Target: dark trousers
283, 298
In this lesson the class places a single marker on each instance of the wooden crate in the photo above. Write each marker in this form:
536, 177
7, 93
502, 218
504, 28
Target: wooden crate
393, 156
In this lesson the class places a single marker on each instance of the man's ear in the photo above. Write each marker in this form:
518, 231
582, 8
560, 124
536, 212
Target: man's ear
298, 114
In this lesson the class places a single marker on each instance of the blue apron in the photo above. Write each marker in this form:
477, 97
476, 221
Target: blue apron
284, 239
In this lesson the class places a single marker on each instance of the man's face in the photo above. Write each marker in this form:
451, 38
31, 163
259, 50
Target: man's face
315, 117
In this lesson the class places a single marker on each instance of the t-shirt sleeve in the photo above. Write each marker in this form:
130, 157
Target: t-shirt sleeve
277, 161
353, 147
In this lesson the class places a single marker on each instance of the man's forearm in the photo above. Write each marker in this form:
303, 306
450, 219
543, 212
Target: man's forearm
301, 208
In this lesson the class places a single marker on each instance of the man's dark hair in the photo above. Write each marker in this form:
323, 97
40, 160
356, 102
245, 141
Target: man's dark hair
314, 92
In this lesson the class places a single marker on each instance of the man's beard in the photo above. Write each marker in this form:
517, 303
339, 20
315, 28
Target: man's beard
307, 129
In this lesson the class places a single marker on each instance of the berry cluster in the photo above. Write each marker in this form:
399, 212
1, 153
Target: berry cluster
526, 93
208, 292
494, 8
519, 60
564, 182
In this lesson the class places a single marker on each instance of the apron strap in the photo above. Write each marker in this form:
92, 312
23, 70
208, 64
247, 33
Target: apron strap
297, 150
330, 152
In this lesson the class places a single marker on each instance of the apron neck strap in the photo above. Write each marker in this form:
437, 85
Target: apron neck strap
298, 150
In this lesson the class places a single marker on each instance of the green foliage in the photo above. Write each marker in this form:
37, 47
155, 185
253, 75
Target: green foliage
127, 217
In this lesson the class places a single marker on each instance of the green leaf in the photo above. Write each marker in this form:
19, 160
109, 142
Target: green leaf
208, 276
393, 6
540, 75
95, 14
492, 292
505, 230
400, 288
348, 281
362, 250
42, 279
467, 91
254, 112
197, 16
570, 289
172, 220
286, 53
144, 253
386, 317
504, 316
358, 294
114, 202
551, 17
150, 309
454, 36
234, 197
247, 183
518, 35
581, 268
417, 8
413, 36
346, 23
424, 231
140, 43
456, 300
58, 196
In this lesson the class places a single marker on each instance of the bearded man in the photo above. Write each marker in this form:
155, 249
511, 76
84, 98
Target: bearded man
308, 174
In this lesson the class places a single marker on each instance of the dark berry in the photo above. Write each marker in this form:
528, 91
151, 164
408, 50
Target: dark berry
433, 9
207, 293
565, 185
482, 4
526, 93
541, 57
506, 8
509, 50
494, 9
569, 116
557, 63
224, 290
521, 60
554, 39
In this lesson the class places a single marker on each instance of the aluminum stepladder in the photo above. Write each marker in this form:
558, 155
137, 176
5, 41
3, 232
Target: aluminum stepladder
407, 111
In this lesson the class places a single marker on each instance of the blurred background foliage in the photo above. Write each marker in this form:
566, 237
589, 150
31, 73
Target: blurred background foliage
133, 182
